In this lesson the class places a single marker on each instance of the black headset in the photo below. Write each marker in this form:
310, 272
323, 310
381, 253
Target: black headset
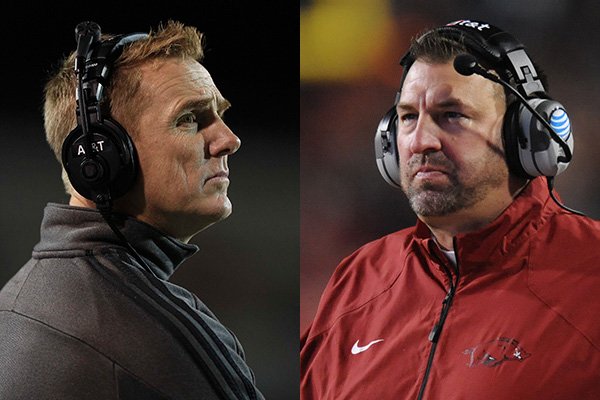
98, 155
531, 148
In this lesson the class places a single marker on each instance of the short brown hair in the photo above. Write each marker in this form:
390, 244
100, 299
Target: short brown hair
435, 47
170, 40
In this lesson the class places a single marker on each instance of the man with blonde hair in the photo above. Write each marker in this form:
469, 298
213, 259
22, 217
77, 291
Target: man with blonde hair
136, 122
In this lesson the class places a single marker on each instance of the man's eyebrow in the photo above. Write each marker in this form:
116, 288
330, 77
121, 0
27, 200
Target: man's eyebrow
404, 106
450, 102
222, 104
206, 102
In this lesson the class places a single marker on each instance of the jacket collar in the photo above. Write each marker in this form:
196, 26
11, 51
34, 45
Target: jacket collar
76, 230
504, 235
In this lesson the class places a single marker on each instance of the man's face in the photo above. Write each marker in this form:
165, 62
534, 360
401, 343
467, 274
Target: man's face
183, 145
449, 140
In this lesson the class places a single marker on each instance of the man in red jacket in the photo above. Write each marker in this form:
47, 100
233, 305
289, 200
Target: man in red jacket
490, 295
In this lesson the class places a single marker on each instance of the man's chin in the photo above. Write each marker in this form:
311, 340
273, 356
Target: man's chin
218, 212
432, 203
195, 220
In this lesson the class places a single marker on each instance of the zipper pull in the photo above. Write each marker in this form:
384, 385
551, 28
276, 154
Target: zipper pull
437, 328
435, 333
448, 295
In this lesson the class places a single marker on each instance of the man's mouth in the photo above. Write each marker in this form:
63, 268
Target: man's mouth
218, 176
429, 172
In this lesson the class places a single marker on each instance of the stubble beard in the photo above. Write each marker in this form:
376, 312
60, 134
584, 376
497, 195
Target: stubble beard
460, 192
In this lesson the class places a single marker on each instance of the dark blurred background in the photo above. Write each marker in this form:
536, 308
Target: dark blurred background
349, 53
247, 269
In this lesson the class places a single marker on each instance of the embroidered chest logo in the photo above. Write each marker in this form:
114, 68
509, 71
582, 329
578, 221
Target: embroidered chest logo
495, 352
359, 349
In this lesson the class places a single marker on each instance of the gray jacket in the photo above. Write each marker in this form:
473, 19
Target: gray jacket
84, 320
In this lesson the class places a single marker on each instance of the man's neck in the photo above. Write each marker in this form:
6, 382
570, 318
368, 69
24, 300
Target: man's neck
79, 201
444, 229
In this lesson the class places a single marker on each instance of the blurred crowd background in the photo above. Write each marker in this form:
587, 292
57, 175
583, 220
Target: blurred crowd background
247, 268
349, 72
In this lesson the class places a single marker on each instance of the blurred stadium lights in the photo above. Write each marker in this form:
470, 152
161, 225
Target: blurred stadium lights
340, 39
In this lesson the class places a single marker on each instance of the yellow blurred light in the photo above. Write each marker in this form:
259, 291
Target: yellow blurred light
339, 39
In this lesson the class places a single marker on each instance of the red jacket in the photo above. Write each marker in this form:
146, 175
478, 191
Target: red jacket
523, 321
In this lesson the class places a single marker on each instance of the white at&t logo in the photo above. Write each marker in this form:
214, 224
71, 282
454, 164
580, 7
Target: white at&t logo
470, 24
559, 121
97, 147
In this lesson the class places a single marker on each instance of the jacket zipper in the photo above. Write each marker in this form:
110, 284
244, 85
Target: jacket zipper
435, 333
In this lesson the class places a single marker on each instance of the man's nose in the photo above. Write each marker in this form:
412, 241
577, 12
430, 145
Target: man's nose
222, 141
425, 137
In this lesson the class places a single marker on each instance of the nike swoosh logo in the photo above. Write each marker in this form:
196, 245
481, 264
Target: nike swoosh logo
359, 349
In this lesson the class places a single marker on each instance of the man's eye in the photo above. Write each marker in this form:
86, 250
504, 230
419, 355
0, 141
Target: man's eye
405, 119
189, 118
453, 115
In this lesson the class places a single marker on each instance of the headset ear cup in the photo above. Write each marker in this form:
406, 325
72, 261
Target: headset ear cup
550, 157
537, 153
386, 150
513, 137
112, 168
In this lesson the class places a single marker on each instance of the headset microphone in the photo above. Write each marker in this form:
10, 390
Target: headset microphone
86, 34
466, 64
